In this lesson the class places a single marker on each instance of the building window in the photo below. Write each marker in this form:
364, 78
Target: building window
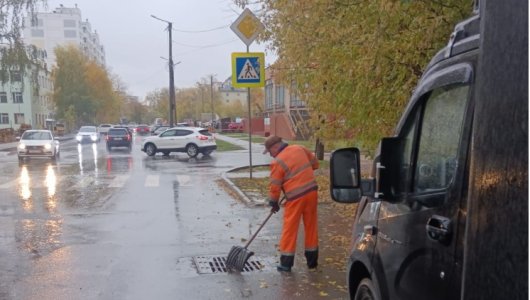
15, 76
70, 34
19, 118
295, 97
37, 33
69, 23
17, 97
36, 22
3, 97
268, 94
4, 118
280, 96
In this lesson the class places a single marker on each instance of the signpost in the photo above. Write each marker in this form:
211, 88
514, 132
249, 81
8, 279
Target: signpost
248, 69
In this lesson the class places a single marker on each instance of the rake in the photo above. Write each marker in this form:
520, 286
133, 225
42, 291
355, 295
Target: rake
238, 256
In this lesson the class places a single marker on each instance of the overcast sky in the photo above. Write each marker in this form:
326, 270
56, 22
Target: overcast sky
135, 42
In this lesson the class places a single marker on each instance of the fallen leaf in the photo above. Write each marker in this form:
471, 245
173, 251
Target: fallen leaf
323, 294
263, 285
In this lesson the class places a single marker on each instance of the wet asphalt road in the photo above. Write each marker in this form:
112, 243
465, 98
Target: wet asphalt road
120, 225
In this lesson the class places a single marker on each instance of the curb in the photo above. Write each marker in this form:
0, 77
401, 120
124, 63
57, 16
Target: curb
238, 191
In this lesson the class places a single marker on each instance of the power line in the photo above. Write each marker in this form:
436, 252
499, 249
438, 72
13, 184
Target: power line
205, 46
201, 31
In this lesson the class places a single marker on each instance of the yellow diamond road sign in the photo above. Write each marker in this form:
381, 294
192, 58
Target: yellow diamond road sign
247, 26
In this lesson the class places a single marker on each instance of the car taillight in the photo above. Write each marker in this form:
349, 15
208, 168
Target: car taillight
107, 137
202, 137
128, 137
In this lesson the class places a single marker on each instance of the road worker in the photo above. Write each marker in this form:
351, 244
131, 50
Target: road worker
292, 172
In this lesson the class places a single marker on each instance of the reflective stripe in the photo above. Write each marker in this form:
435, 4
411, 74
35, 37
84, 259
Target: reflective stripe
282, 164
287, 253
293, 173
311, 249
293, 194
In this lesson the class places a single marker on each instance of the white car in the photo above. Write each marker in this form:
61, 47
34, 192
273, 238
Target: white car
37, 143
192, 140
104, 128
87, 134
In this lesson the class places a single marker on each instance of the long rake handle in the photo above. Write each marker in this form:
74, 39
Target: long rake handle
262, 224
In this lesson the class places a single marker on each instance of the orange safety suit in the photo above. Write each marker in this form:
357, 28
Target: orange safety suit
292, 172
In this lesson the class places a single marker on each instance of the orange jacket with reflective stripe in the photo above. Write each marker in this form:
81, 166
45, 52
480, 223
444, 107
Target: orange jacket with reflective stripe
292, 171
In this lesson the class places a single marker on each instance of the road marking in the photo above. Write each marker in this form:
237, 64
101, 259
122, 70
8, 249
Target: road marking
184, 180
152, 181
119, 181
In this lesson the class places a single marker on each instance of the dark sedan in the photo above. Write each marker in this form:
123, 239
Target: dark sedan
119, 137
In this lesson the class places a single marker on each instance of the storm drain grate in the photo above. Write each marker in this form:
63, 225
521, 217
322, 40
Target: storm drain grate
217, 264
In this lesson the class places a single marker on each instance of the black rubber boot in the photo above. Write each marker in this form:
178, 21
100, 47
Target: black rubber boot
312, 258
286, 263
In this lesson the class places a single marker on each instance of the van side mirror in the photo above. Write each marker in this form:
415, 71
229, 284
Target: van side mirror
345, 178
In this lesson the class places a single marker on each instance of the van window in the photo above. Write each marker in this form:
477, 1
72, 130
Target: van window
439, 138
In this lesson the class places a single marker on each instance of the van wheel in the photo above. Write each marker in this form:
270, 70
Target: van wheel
366, 291
150, 149
192, 150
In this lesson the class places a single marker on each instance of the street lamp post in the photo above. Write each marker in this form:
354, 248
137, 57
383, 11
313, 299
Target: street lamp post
172, 106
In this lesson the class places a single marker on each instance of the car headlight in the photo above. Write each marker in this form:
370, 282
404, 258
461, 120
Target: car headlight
47, 146
93, 137
78, 137
21, 146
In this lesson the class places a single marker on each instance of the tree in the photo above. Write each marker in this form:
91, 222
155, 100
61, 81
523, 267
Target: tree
13, 53
356, 63
84, 86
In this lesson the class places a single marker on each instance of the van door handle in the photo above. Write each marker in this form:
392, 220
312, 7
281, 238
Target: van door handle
439, 229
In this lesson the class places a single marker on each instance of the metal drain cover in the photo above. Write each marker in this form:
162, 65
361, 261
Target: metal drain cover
213, 264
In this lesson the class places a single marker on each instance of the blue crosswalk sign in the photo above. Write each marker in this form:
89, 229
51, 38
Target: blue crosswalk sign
248, 69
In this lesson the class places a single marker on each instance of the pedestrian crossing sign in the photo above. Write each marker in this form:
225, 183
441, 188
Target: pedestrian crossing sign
248, 69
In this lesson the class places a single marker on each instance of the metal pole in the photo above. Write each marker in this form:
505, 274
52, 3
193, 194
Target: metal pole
249, 130
211, 98
172, 105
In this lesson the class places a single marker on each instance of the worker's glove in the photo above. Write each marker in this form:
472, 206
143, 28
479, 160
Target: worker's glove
275, 207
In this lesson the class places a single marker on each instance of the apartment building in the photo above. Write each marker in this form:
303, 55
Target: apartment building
230, 94
21, 102
62, 26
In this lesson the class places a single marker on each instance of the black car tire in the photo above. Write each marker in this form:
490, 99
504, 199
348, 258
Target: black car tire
192, 150
150, 149
366, 291
20, 159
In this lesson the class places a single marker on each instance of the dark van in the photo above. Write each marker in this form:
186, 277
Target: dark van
412, 234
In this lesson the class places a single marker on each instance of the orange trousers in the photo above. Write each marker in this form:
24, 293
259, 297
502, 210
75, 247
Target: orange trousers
304, 208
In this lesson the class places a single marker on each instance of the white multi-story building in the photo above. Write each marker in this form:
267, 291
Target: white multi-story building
61, 27
21, 102
230, 94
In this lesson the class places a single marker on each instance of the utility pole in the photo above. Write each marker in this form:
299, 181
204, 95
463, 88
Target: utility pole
172, 105
211, 97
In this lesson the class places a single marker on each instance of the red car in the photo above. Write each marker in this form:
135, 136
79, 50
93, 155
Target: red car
235, 127
143, 129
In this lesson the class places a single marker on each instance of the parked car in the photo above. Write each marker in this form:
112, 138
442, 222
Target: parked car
37, 143
235, 127
104, 128
118, 137
143, 129
87, 134
156, 130
191, 140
